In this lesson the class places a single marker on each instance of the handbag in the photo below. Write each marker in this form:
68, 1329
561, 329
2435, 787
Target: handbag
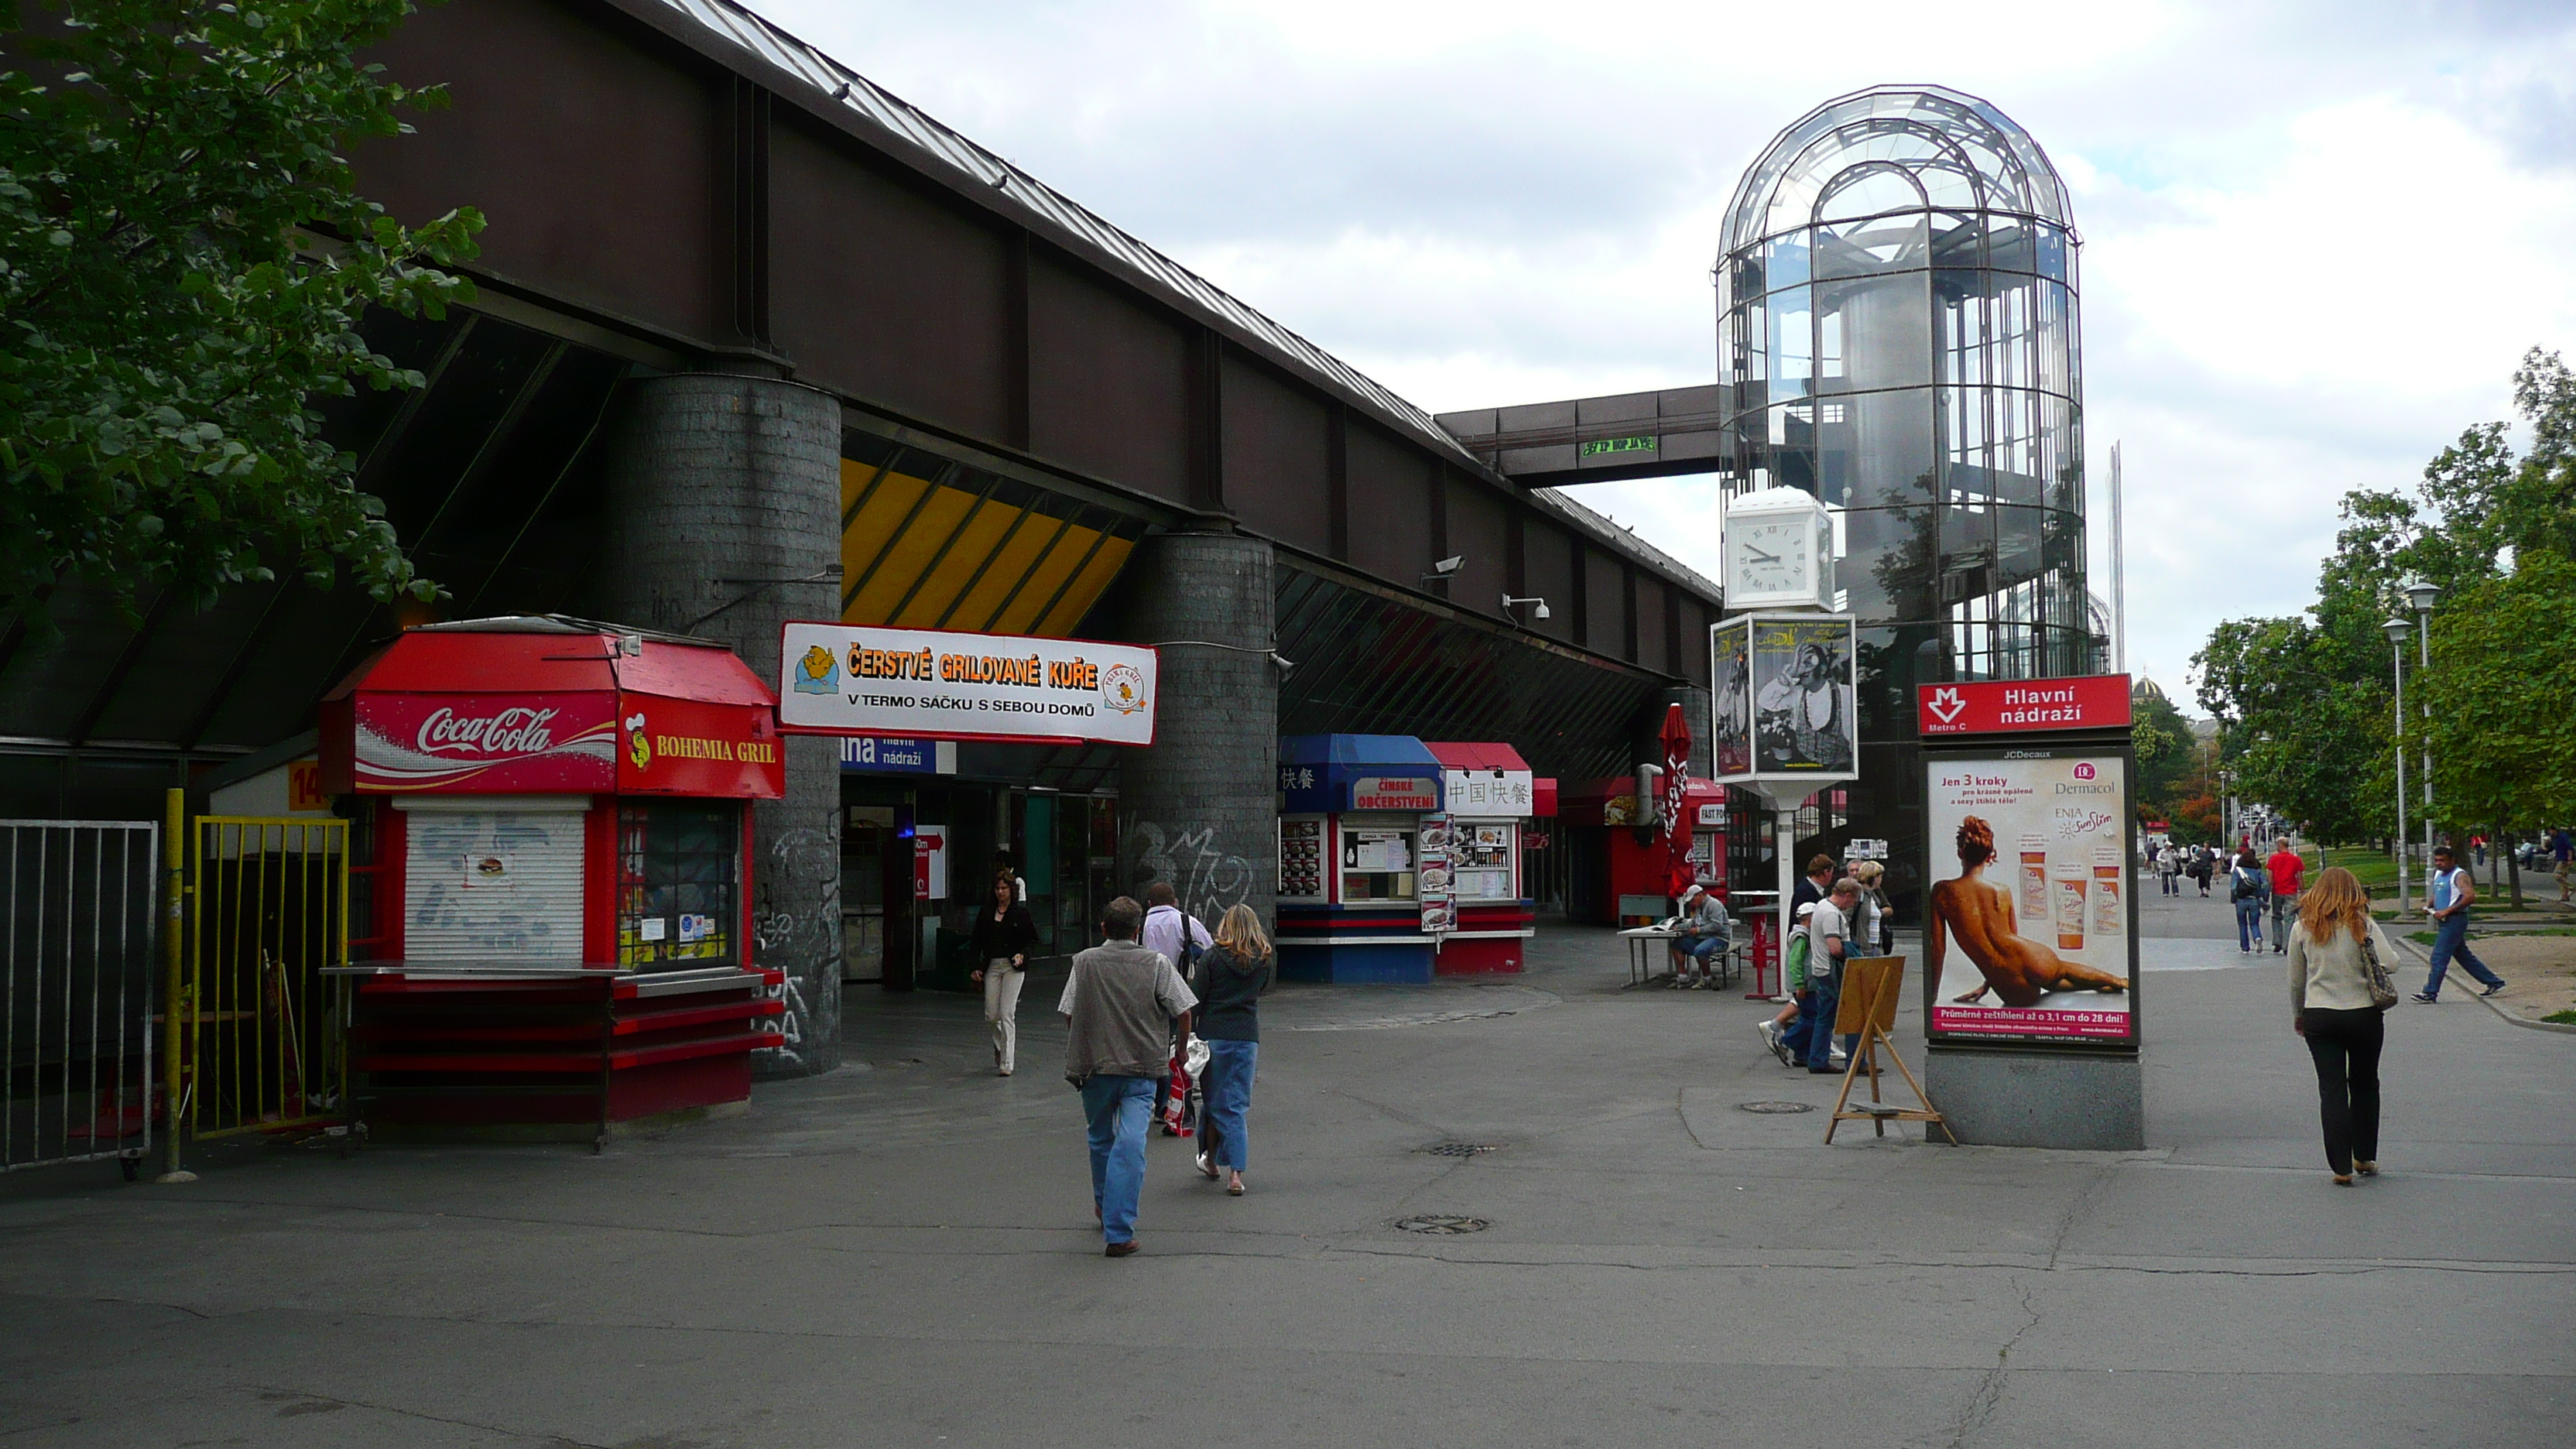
2374, 974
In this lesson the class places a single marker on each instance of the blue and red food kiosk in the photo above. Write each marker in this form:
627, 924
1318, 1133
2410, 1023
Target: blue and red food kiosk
1350, 889
550, 921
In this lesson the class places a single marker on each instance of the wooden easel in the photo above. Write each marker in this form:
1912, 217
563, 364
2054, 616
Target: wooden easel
1871, 985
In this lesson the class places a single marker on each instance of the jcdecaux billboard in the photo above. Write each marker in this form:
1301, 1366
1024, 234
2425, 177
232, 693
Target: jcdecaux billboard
855, 679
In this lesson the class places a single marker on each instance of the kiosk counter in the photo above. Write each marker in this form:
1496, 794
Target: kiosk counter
550, 924
1350, 857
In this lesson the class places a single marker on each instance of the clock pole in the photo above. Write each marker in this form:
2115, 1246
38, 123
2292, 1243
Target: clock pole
1778, 544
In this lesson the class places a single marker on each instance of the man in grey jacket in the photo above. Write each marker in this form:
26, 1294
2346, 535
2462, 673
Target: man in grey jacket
1123, 1004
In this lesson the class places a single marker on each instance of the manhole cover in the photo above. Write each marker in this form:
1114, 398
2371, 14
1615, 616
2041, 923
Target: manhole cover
1774, 1107
1459, 1149
1442, 1224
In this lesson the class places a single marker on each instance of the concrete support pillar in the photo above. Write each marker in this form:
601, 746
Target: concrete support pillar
1199, 808
724, 507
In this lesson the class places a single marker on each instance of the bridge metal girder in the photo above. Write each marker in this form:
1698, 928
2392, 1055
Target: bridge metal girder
1657, 434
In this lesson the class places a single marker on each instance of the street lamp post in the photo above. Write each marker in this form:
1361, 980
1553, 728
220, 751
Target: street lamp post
2422, 593
2397, 628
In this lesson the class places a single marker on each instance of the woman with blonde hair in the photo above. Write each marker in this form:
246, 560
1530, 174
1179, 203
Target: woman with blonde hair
1881, 932
1229, 979
2338, 979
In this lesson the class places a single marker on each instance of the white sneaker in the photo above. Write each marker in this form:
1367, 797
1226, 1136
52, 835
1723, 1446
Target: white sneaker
1770, 1036
1841, 1058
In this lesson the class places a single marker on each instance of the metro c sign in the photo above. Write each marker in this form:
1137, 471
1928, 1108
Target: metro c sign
2012, 706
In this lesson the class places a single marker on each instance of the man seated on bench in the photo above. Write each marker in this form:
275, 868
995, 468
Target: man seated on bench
1702, 934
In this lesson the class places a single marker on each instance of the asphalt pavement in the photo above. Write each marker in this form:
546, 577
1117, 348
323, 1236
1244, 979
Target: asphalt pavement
902, 1252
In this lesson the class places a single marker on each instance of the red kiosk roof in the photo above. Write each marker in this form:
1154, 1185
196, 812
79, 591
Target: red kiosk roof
1463, 755
547, 704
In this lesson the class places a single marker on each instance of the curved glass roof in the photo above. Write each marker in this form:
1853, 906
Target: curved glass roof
1894, 148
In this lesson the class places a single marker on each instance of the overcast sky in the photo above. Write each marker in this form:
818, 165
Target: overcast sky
2317, 237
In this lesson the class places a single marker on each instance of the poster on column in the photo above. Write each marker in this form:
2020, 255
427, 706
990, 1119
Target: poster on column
2029, 935
1802, 696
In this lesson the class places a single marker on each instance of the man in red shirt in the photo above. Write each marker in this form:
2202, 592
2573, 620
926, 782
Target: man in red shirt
2287, 872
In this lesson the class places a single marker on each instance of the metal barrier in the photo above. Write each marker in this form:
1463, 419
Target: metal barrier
76, 1005
263, 1049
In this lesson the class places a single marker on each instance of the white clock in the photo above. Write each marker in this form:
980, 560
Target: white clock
1779, 547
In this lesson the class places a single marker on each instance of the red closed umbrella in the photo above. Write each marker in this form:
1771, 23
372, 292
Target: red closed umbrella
1676, 739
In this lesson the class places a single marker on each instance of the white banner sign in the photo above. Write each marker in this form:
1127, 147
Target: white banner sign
854, 679
1488, 792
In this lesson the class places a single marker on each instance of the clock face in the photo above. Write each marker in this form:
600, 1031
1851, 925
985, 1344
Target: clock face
1769, 556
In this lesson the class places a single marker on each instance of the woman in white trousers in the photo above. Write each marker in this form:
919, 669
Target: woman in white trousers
1004, 932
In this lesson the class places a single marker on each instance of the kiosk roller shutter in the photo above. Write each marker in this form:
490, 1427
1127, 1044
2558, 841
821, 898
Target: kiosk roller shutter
492, 884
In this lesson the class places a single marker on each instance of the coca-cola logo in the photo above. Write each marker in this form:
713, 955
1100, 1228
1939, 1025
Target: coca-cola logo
507, 732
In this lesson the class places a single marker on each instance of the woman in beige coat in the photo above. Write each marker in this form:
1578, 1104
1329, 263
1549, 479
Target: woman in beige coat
2331, 1005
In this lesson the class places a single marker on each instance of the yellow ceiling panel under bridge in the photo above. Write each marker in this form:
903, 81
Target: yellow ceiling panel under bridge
931, 544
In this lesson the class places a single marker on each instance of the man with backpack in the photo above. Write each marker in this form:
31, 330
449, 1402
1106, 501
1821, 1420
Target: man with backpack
1180, 938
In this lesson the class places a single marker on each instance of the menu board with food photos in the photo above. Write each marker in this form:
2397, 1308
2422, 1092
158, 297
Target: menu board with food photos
1301, 859
1439, 854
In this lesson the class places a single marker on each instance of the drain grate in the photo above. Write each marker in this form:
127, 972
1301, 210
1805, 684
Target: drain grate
1459, 1149
1768, 1107
1442, 1224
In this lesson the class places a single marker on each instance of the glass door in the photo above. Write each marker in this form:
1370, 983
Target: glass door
868, 844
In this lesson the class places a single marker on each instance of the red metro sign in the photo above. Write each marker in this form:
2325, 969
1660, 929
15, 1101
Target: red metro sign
2012, 706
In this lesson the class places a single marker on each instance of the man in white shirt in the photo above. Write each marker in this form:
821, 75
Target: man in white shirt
1831, 930
1167, 926
1179, 937
2452, 893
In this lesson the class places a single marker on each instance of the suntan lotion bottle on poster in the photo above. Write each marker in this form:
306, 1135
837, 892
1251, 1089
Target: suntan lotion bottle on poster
2108, 917
2071, 882
2034, 878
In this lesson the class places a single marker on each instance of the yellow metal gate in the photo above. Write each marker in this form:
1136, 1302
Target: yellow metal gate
263, 1048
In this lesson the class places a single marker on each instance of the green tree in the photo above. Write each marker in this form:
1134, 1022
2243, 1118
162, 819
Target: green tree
184, 264
2305, 702
2503, 696
2294, 722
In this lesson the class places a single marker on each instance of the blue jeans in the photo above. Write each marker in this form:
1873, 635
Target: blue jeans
1229, 1097
1820, 1036
1795, 1038
2451, 942
2249, 925
1116, 1108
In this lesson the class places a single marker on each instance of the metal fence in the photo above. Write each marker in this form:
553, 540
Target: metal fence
264, 1049
76, 1006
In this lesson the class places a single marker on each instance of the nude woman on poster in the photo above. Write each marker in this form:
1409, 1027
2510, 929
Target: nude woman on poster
1980, 913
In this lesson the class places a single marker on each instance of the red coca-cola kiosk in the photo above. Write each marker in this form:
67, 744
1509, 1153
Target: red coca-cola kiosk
550, 923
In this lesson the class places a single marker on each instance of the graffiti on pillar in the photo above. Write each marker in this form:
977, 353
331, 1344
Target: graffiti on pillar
1206, 879
803, 945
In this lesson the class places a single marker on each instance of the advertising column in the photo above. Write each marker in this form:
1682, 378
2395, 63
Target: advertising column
2030, 958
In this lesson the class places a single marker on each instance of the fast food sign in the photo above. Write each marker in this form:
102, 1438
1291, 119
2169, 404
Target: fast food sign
853, 679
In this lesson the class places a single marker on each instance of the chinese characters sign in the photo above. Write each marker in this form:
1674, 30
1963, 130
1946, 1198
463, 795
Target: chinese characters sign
1489, 792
